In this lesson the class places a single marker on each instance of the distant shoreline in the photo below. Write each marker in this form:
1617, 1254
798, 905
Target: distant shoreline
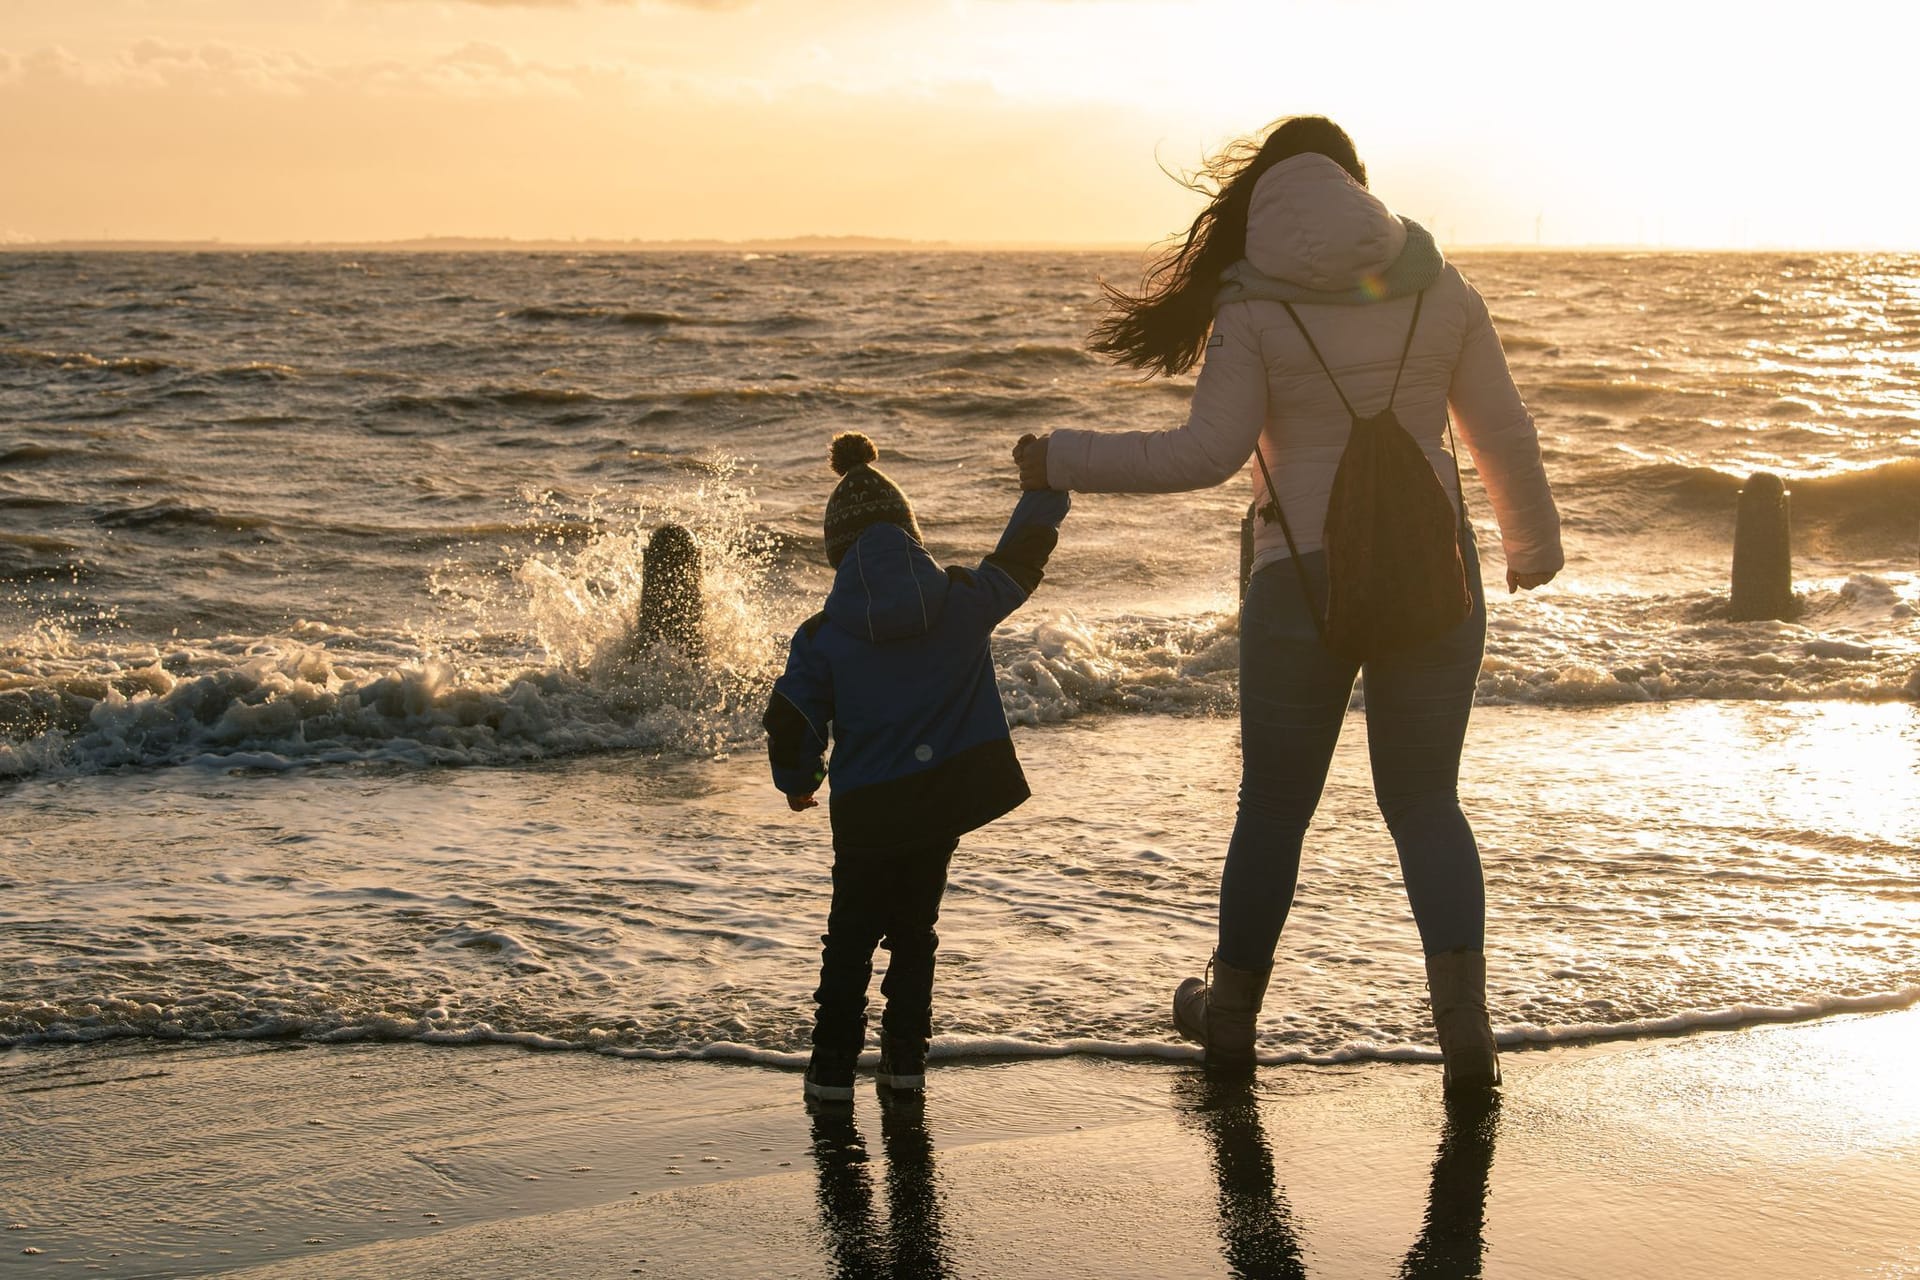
487, 244
790, 244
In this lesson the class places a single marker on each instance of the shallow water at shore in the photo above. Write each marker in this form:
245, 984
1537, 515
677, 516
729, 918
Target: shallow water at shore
640, 906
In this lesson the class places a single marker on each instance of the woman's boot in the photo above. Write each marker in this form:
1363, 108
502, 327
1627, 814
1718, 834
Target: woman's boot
1221, 1014
1457, 982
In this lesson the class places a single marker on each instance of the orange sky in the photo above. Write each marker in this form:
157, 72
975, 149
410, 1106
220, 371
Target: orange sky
1686, 122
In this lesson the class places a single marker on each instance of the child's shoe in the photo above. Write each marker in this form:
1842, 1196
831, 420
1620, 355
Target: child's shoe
830, 1075
903, 1063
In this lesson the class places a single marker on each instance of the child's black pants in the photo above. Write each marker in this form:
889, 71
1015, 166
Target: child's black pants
890, 899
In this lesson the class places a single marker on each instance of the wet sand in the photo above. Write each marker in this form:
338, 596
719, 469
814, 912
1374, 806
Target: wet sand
1770, 1151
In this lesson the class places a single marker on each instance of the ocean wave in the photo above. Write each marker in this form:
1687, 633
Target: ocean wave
323, 697
1606, 391
442, 406
298, 705
1021, 356
541, 397
173, 514
951, 403
84, 361
37, 542
254, 371
1871, 512
232, 1015
584, 313
27, 454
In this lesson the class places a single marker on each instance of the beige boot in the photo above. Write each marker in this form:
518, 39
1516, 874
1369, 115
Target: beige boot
1457, 982
1221, 1014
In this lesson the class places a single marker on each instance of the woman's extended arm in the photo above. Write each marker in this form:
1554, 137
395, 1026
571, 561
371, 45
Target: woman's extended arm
1500, 434
1229, 409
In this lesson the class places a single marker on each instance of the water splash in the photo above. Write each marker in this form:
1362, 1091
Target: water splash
529, 655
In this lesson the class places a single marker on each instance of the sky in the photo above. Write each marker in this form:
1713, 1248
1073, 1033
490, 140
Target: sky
1682, 123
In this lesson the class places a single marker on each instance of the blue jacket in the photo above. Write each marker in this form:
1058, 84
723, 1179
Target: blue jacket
898, 672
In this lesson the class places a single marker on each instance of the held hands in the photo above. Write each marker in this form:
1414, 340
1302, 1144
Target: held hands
800, 804
1030, 455
1526, 581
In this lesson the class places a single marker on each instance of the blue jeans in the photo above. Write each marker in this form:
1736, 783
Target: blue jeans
1293, 697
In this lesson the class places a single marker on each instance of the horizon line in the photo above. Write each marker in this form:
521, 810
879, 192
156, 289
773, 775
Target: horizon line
796, 243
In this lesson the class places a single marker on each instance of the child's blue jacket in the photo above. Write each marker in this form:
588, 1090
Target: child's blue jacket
897, 672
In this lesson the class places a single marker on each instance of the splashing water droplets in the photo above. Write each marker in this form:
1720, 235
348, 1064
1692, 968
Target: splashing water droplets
574, 602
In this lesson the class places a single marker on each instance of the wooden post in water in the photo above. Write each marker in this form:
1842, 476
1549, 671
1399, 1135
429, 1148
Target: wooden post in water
672, 608
1763, 552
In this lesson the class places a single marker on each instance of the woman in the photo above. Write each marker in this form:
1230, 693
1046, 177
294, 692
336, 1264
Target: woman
1315, 305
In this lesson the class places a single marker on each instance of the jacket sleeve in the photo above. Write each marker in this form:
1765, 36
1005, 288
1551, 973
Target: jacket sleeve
799, 715
1014, 568
1229, 410
1500, 434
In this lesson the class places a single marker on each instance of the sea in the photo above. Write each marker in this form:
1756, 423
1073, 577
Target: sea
322, 718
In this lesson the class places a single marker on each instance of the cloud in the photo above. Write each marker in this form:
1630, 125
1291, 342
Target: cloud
715, 6
475, 70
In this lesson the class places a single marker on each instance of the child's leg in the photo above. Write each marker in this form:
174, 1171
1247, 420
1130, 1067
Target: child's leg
917, 880
854, 925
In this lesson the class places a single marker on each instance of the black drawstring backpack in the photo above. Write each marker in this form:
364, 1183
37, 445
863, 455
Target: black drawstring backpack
1395, 577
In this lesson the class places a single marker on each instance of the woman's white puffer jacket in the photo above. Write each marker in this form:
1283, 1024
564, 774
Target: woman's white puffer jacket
1309, 224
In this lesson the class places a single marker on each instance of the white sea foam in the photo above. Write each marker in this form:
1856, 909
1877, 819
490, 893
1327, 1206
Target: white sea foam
563, 680
95, 1022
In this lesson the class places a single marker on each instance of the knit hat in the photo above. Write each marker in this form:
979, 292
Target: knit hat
864, 496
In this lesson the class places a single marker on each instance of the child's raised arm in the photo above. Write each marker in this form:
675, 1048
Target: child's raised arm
1013, 569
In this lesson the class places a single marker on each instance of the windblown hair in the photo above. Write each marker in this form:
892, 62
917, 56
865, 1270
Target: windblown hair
1163, 328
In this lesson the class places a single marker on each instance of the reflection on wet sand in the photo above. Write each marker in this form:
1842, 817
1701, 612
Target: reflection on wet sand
911, 1243
1258, 1234
1452, 1238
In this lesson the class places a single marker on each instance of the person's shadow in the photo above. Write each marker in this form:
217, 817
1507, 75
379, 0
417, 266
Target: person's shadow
911, 1244
1257, 1231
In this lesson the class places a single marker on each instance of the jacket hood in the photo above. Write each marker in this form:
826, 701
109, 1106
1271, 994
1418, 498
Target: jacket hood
1311, 224
1419, 265
887, 587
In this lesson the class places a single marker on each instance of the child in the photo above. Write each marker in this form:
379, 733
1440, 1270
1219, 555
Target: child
897, 668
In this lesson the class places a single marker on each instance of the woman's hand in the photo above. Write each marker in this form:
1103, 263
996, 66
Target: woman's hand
800, 804
1030, 455
1526, 581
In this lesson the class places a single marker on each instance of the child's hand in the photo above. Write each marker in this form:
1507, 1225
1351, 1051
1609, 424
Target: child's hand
800, 804
1030, 455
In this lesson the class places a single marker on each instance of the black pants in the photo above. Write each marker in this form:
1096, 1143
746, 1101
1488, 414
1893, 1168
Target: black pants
889, 899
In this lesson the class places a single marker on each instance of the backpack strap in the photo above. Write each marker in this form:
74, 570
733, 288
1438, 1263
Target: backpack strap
1405, 347
1279, 513
1272, 510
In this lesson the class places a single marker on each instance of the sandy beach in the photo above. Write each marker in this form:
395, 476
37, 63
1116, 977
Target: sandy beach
1782, 1150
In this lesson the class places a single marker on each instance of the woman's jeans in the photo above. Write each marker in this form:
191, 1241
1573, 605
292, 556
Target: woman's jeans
1293, 697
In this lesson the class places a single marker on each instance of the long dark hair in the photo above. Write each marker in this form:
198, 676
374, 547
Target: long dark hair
1163, 328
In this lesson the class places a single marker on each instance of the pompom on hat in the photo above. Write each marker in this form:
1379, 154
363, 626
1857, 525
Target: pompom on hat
863, 497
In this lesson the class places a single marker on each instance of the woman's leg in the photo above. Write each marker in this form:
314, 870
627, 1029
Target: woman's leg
1418, 703
1293, 696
